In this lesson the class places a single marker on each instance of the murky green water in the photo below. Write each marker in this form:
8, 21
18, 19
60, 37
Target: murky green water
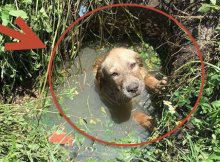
82, 104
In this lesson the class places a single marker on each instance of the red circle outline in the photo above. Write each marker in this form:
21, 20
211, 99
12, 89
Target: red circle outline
121, 5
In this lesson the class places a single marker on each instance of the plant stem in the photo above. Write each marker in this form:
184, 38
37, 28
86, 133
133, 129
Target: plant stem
191, 62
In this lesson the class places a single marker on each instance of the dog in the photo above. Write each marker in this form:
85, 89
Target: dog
120, 77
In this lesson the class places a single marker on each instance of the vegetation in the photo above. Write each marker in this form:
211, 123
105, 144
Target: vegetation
198, 139
48, 20
22, 141
24, 77
25, 72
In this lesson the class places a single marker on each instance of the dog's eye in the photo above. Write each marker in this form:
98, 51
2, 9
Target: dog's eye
133, 65
114, 74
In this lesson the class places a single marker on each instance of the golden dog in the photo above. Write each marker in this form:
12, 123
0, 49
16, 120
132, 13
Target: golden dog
121, 76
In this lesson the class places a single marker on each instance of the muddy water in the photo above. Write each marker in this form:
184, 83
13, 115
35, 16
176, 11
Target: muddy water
83, 106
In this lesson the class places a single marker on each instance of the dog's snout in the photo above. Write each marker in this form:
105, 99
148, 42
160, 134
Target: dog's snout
133, 87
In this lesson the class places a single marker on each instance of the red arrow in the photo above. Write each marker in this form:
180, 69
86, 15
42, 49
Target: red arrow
28, 39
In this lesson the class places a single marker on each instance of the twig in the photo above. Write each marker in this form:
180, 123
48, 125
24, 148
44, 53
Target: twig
181, 11
191, 62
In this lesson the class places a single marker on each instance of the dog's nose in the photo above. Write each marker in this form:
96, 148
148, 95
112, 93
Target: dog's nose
133, 87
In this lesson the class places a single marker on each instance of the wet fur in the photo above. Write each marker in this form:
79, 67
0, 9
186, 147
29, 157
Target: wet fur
113, 89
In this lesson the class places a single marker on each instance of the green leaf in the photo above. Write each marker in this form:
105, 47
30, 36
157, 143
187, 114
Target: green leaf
215, 77
213, 2
214, 136
18, 13
5, 17
48, 27
204, 8
27, 1
216, 104
8, 7
43, 13
214, 157
216, 149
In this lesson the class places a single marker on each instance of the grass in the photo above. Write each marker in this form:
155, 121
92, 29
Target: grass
44, 17
198, 139
24, 141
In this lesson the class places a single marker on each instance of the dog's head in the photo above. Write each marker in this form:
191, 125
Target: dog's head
119, 75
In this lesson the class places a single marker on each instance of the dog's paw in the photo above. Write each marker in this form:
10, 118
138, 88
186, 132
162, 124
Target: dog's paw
155, 85
161, 84
144, 120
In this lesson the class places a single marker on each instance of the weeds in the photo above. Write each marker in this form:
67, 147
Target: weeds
18, 68
24, 141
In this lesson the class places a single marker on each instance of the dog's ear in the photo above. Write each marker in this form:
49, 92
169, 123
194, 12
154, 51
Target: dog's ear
98, 75
97, 68
139, 60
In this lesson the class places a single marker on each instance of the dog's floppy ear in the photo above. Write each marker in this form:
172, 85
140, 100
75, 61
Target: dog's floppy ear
98, 69
139, 60
98, 75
